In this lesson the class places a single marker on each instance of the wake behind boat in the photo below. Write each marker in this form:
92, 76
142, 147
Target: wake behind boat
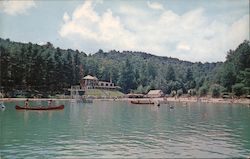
59, 107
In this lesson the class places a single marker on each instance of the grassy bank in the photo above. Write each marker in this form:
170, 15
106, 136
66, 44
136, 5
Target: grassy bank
99, 93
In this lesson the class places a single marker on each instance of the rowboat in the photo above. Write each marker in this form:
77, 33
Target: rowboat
40, 108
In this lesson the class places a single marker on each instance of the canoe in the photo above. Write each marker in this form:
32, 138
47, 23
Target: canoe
142, 102
40, 108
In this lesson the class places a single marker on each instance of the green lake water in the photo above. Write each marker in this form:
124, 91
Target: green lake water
120, 129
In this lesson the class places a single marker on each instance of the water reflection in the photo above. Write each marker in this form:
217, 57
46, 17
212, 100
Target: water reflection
119, 129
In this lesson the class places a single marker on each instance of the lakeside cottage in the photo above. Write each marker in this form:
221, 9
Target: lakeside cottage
91, 82
155, 94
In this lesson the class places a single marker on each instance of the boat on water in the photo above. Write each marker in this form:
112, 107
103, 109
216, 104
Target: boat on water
59, 107
142, 102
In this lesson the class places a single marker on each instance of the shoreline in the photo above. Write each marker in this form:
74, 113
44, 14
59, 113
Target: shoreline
163, 100
210, 100
193, 100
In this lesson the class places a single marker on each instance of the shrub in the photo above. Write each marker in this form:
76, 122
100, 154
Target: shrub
140, 89
238, 89
173, 93
179, 92
223, 90
203, 91
215, 90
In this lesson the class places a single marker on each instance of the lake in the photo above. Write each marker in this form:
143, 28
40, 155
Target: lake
120, 129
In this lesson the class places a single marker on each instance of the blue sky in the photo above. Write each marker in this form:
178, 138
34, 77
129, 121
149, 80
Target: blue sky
194, 30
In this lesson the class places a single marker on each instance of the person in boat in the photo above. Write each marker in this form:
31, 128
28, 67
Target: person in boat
26, 104
50, 102
2, 105
171, 106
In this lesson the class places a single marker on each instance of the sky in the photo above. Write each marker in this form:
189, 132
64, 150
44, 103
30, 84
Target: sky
192, 30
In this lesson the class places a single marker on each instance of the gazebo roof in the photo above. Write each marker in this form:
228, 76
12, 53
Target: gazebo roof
88, 77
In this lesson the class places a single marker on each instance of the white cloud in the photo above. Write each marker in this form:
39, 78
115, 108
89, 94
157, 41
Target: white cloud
155, 5
14, 7
130, 10
188, 36
183, 46
66, 17
105, 29
85, 11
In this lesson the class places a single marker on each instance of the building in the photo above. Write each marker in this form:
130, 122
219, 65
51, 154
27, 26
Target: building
155, 94
91, 82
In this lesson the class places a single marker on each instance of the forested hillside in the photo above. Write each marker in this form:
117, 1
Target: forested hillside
234, 75
44, 69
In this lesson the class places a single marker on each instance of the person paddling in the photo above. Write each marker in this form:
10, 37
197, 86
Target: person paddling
26, 104
49, 102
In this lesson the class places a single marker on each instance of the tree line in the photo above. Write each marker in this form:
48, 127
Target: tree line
46, 70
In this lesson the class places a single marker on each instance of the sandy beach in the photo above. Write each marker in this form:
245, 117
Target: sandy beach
210, 100
187, 100
31, 99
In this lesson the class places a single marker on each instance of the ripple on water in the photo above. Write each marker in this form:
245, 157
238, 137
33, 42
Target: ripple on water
121, 130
